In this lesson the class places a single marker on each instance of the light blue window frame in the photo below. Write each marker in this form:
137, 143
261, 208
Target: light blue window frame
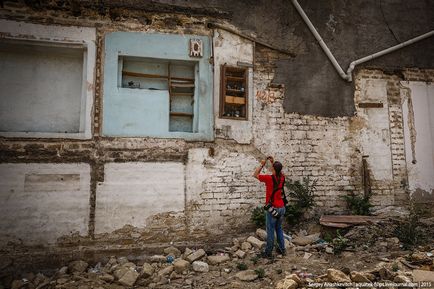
145, 113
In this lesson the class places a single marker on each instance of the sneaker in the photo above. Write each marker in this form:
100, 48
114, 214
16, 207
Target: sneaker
280, 252
266, 255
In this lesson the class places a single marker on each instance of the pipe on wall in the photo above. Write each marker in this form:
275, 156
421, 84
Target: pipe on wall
348, 75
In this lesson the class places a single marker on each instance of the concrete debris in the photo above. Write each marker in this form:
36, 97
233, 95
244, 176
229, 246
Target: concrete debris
166, 271
306, 240
334, 275
287, 283
214, 260
199, 266
247, 275
246, 246
262, 234
258, 244
240, 254
230, 267
196, 255
77, 266
172, 251
181, 265
129, 278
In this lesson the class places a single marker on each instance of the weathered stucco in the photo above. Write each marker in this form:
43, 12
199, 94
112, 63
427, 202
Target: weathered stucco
208, 186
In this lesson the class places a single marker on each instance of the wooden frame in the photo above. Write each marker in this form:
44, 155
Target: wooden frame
234, 93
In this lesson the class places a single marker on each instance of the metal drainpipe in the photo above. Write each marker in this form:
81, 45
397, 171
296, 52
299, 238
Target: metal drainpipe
348, 76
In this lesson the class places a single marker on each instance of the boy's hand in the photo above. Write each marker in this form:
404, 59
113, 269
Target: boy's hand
271, 159
263, 162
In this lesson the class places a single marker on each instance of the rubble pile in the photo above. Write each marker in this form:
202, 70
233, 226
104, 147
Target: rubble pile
309, 259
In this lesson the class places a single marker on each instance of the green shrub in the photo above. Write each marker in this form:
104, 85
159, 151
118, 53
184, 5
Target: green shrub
408, 231
260, 272
241, 266
358, 205
339, 243
302, 195
255, 259
258, 217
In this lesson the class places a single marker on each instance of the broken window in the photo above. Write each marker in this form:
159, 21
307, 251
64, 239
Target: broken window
174, 79
233, 93
153, 87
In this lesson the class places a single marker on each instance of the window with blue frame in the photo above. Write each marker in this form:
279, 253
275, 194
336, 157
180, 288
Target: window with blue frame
154, 86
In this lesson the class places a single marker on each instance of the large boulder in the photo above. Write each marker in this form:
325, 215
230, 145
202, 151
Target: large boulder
334, 275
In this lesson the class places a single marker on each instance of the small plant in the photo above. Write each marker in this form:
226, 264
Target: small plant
258, 217
395, 267
358, 205
328, 238
408, 231
302, 197
260, 272
241, 266
303, 192
255, 259
339, 243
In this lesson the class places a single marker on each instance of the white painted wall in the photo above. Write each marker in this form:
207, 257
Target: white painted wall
420, 154
132, 192
41, 202
41, 88
230, 48
59, 77
375, 137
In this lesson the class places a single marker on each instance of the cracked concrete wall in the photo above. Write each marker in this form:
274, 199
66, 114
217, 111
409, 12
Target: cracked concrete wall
219, 191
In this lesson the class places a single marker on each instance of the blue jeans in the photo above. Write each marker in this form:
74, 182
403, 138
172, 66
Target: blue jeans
275, 224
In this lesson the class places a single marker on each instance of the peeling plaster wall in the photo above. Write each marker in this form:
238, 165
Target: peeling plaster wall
230, 49
133, 192
418, 120
211, 183
42, 202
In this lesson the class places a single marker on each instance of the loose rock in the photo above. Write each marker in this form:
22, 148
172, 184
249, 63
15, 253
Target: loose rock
240, 254
173, 251
195, 255
247, 275
334, 275
129, 278
181, 265
77, 266
147, 270
358, 277
262, 234
214, 260
165, 271
246, 246
306, 240
200, 266
287, 283
258, 244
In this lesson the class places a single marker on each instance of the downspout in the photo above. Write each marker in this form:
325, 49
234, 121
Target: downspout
348, 76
